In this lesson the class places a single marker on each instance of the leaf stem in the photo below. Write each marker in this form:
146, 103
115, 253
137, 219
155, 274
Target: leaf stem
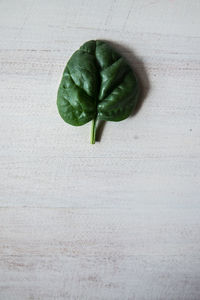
93, 132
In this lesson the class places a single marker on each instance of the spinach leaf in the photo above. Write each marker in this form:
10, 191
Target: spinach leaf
97, 84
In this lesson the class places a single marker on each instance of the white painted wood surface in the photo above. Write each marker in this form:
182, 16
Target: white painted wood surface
120, 219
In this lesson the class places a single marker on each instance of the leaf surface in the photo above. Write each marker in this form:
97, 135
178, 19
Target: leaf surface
97, 83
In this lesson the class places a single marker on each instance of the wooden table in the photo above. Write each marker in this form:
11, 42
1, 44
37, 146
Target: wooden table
119, 219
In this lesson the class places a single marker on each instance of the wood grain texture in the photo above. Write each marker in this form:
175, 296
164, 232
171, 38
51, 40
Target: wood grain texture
120, 219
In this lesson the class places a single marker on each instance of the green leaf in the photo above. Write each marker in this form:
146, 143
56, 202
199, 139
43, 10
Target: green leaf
97, 83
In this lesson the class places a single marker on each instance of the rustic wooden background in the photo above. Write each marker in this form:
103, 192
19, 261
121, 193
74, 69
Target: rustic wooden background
120, 219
